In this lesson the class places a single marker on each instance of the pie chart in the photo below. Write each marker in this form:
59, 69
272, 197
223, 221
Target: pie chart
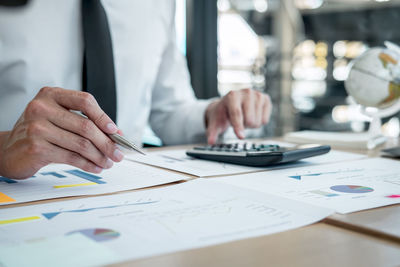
97, 234
358, 189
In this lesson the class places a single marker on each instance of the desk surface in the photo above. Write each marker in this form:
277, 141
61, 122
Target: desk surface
316, 245
381, 222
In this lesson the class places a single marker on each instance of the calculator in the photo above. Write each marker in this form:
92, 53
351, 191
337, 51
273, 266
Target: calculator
256, 155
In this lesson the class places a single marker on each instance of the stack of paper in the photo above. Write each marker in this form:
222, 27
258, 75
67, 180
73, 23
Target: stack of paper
177, 160
107, 229
193, 214
336, 139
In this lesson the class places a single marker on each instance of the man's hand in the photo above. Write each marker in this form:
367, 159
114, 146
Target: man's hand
47, 132
242, 109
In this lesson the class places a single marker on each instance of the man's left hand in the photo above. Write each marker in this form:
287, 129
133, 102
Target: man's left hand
241, 109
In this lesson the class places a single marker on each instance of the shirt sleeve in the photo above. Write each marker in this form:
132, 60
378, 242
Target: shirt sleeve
176, 116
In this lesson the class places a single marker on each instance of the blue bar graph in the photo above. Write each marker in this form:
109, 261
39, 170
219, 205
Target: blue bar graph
86, 176
55, 174
7, 180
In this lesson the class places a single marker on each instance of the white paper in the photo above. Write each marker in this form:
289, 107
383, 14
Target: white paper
177, 160
141, 224
58, 180
336, 139
345, 187
60, 251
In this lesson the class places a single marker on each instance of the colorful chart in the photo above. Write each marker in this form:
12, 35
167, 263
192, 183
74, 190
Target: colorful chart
55, 174
17, 220
98, 234
300, 176
323, 193
351, 189
393, 196
7, 180
87, 176
73, 185
51, 215
5, 199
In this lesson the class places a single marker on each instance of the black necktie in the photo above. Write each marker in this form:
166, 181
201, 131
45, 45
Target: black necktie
98, 62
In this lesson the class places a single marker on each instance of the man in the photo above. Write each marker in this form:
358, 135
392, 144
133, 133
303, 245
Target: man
42, 51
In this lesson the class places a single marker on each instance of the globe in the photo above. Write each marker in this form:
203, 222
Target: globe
374, 78
374, 83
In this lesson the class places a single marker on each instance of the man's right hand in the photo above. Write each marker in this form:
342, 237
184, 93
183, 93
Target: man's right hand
47, 132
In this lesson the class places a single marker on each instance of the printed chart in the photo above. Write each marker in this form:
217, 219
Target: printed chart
97, 234
352, 189
177, 160
345, 186
151, 222
59, 180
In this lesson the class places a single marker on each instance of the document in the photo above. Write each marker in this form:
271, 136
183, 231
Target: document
337, 139
145, 223
177, 160
344, 187
59, 180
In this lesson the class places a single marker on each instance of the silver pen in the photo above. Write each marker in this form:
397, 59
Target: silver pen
122, 141
118, 139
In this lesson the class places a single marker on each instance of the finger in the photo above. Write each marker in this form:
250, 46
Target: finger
60, 155
233, 105
213, 131
249, 109
87, 129
76, 143
84, 102
259, 109
267, 110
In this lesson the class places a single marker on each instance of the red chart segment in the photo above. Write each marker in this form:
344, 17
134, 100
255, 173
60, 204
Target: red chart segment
393, 196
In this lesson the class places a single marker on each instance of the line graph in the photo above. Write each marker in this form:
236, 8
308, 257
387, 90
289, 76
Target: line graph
301, 176
51, 215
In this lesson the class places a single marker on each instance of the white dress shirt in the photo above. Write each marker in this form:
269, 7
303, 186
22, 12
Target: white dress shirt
41, 44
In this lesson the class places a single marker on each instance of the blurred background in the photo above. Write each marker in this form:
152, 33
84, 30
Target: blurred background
297, 51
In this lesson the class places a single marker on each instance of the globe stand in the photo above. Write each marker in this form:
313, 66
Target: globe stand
376, 136
375, 133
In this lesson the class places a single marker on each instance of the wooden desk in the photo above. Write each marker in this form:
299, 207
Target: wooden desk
316, 245
380, 222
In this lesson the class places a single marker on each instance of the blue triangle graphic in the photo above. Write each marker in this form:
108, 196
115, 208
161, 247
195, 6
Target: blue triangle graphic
297, 177
50, 215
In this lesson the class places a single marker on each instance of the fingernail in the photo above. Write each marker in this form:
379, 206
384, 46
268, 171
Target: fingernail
112, 127
97, 169
118, 154
109, 164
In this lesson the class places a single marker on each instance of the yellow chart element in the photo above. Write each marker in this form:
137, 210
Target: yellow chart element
24, 219
72, 185
4, 198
